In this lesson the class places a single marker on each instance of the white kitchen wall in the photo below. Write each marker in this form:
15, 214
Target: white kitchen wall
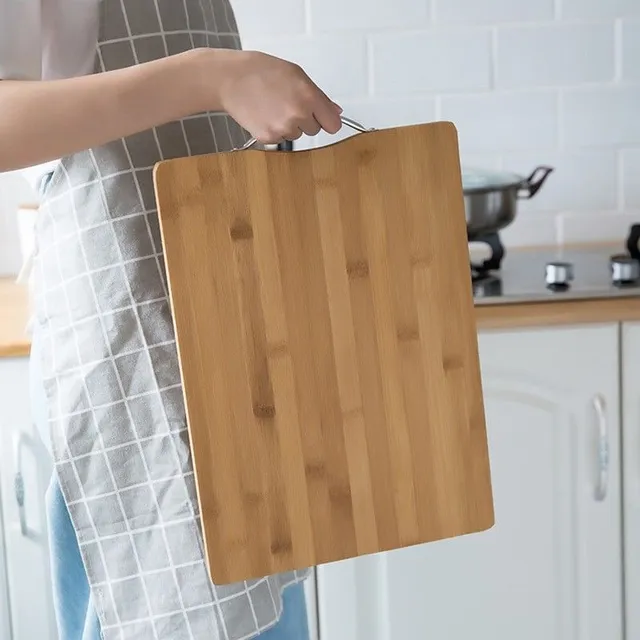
527, 82
14, 191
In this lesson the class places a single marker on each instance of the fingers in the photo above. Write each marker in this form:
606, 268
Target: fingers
292, 133
310, 126
328, 117
308, 122
327, 114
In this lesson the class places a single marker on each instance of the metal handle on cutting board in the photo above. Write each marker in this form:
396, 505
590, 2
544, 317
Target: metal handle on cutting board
356, 126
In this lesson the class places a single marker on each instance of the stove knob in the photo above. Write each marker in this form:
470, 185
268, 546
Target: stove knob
558, 275
624, 269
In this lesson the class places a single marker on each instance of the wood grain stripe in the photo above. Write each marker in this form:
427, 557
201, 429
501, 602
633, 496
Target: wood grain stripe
322, 449
326, 391
241, 424
226, 533
345, 354
369, 366
400, 232
374, 232
299, 542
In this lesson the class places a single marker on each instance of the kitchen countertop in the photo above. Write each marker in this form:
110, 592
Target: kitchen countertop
14, 313
523, 300
517, 295
555, 312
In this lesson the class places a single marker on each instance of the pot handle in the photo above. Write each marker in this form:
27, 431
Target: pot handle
633, 242
532, 184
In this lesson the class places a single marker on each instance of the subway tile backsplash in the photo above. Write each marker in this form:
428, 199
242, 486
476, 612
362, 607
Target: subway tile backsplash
581, 9
527, 82
338, 15
630, 180
631, 50
601, 116
504, 121
493, 11
555, 55
444, 61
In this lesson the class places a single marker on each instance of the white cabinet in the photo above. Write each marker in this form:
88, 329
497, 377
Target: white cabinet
631, 473
310, 591
26, 554
5, 610
552, 565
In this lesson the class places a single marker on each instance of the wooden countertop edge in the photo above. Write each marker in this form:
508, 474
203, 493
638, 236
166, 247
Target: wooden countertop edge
14, 313
14, 344
15, 349
545, 314
495, 317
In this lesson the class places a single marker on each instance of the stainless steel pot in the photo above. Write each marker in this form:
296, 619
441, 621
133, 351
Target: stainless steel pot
491, 197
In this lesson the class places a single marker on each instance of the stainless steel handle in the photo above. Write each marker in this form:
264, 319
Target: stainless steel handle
356, 126
602, 488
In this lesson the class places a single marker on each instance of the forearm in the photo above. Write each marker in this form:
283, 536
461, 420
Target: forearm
42, 121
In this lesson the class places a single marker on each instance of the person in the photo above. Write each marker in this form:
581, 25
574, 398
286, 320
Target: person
93, 93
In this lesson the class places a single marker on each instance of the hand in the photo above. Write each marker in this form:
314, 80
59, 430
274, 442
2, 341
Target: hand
273, 99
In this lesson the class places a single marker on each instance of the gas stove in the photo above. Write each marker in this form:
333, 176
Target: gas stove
556, 273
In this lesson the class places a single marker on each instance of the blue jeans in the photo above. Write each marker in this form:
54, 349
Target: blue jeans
75, 614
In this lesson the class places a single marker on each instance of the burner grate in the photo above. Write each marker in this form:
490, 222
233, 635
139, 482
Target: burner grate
494, 261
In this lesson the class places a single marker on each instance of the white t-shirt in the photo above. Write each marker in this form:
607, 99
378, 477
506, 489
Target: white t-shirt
47, 40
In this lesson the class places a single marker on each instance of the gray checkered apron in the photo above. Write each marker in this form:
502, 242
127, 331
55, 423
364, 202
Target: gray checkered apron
109, 359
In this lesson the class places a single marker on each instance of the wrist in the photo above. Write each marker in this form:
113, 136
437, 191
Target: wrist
210, 71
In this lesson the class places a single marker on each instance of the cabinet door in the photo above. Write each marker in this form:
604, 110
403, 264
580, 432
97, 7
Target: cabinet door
23, 507
631, 472
551, 566
5, 611
310, 591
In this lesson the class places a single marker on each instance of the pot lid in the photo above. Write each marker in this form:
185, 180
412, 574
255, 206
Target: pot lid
486, 179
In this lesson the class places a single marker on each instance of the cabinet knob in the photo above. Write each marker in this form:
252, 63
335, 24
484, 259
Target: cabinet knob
624, 270
558, 275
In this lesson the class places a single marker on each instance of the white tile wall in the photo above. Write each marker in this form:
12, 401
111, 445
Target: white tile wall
601, 117
571, 9
527, 82
493, 11
273, 18
338, 15
582, 181
506, 122
431, 61
14, 190
630, 173
554, 55
631, 50
338, 63
594, 227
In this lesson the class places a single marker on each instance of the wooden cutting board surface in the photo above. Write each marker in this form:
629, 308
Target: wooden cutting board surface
326, 333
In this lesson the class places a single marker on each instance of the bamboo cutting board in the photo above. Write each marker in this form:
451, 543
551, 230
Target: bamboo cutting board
325, 324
